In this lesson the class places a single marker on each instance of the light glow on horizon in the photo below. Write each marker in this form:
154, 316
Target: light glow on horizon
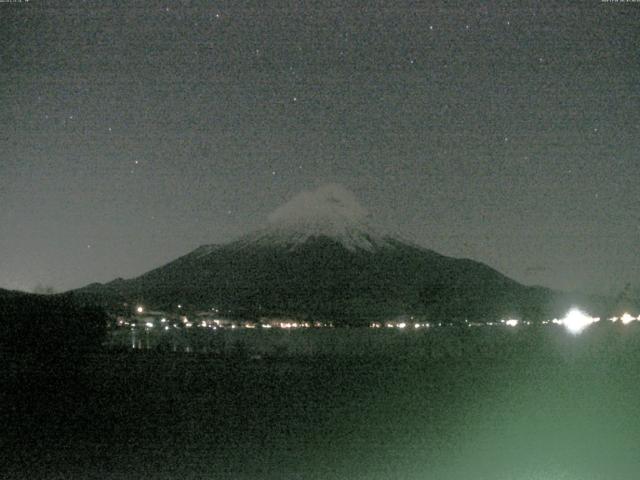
576, 321
626, 318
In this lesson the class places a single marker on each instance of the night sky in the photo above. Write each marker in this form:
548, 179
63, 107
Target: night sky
133, 132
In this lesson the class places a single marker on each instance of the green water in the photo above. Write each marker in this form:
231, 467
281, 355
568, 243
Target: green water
526, 404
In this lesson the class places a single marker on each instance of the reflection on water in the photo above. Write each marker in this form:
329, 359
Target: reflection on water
435, 343
494, 404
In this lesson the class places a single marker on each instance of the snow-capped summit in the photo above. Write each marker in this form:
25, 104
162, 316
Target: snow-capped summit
331, 211
329, 202
294, 267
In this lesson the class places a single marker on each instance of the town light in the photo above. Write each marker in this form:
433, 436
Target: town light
140, 309
627, 318
575, 321
511, 322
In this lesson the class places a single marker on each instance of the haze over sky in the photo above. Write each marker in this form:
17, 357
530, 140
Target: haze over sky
507, 132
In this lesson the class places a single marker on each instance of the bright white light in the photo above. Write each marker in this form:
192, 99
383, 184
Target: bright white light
511, 323
140, 309
402, 325
575, 321
626, 318
166, 328
149, 324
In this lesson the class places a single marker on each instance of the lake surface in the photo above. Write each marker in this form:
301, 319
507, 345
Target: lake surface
495, 404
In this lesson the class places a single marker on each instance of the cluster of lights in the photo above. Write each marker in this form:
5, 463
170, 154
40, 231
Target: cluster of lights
399, 325
575, 321
625, 318
288, 325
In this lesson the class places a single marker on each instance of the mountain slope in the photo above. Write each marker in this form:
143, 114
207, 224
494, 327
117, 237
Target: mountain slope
320, 257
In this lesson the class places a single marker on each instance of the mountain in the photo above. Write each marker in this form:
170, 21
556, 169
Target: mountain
321, 257
8, 294
48, 324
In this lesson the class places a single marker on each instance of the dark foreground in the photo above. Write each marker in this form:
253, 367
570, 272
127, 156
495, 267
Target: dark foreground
527, 404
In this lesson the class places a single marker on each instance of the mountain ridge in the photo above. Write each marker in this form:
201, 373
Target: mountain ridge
320, 256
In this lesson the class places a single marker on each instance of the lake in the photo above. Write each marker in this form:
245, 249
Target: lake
486, 403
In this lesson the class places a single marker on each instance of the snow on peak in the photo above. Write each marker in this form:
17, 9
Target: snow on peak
329, 211
328, 203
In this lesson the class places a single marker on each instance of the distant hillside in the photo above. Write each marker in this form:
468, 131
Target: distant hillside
48, 324
11, 293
